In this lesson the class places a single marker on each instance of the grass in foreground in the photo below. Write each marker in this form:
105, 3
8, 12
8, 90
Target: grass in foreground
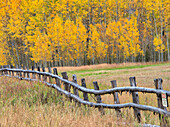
34, 104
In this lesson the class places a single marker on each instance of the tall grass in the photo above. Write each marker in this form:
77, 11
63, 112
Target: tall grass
34, 104
25, 103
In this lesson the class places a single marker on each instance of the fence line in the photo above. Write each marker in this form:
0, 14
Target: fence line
96, 105
92, 91
161, 110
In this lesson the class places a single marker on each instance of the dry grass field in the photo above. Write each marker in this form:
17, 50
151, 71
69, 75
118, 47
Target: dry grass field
24, 103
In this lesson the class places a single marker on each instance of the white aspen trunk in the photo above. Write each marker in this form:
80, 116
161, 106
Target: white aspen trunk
159, 56
17, 54
167, 38
167, 44
161, 36
12, 49
156, 30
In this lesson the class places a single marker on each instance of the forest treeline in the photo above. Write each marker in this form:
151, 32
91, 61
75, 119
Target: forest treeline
82, 32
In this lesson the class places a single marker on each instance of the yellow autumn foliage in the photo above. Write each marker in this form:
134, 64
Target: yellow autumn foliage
77, 31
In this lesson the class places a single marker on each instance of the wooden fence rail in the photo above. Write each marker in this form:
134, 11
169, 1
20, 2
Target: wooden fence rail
36, 76
92, 91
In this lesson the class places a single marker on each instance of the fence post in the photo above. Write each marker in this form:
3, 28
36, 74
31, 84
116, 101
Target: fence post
17, 73
5, 72
9, 70
85, 95
44, 76
135, 99
33, 74
2, 72
98, 97
24, 72
66, 85
6, 66
49, 77
163, 119
12, 71
39, 76
58, 84
75, 81
20, 73
75, 90
28, 74
116, 98
56, 79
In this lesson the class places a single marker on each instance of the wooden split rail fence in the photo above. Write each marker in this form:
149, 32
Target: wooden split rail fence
24, 74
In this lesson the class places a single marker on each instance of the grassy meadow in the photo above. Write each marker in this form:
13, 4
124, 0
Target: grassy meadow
24, 103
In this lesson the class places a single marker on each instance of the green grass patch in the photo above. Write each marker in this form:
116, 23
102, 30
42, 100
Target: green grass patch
101, 73
166, 71
167, 77
90, 74
117, 68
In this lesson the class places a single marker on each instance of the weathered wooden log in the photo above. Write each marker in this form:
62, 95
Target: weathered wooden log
85, 94
58, 84
33, 74
20, 73
66, 85
112, 106
163, 120
17, 73
2, 71
49, 77
56, 79
5, 72
28, 74
97, 105
38, 69
55, 72
116, 98
74, 88
12, 71
9, 72
99, 92
24, 74
135, 99
44, 76
98, 97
